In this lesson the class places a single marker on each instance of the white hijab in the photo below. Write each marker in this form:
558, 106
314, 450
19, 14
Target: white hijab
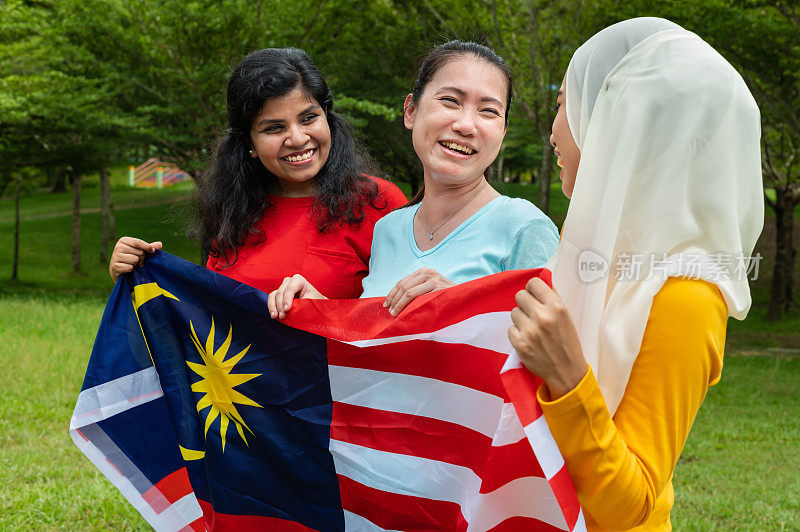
670, 165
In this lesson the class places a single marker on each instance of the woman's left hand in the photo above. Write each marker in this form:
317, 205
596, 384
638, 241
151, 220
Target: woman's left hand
420, 282
545, 338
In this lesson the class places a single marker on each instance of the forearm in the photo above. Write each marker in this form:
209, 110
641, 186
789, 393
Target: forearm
614, 485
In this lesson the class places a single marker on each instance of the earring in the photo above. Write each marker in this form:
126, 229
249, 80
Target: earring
251, 153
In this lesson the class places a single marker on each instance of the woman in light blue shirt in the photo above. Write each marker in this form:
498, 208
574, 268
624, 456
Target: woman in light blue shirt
505, 234
457, 228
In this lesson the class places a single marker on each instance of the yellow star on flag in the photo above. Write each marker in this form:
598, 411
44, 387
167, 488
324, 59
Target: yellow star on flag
218, 383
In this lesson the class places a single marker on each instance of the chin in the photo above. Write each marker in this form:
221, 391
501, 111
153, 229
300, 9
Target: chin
455, 176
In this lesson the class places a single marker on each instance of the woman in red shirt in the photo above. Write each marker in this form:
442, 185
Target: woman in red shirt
285, 190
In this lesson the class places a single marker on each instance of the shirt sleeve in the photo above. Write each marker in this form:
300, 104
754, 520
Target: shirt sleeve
621, 466
533, 245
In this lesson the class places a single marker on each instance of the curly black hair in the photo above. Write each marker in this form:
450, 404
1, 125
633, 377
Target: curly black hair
232, 194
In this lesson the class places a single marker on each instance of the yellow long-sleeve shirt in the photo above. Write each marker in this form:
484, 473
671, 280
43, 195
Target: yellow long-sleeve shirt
622, 467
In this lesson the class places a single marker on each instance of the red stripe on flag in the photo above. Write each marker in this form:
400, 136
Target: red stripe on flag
524, 524
462, 364
507, 463
169, 489
522, 384
198, 525
410, 435
348, 321
219, 522
566, 495
399, 512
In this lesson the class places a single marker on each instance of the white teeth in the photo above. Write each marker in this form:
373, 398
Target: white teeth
459, 147
298, 158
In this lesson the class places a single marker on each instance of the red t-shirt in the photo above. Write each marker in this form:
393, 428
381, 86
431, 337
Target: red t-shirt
334, 262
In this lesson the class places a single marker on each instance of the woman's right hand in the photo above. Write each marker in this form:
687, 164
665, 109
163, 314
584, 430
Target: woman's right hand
128, 253
280, 300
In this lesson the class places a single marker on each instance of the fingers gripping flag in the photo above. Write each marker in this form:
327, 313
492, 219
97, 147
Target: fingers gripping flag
206, 414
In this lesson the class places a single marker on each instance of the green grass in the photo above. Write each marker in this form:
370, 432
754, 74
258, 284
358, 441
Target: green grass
738, 470
46, 242
45, 482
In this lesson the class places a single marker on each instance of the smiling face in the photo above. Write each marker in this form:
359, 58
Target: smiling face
566, 150
292, 139
458, 123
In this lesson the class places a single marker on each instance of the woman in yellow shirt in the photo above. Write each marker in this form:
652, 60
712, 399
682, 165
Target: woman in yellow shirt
658, 140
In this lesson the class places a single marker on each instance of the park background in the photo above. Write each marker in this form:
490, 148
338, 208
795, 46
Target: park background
90, 88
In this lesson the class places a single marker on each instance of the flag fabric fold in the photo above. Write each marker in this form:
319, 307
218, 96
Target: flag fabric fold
207, 414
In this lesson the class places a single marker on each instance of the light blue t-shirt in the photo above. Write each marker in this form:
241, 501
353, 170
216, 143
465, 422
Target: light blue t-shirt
506, 234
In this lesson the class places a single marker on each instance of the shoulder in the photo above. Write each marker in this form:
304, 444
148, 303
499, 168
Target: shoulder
387, 190
521, 209
689, 300
689, 312
521, 216
393, 219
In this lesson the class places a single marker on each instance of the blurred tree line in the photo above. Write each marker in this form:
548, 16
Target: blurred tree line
85, 84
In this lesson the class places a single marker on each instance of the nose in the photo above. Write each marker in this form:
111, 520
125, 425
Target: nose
465, 123
296, 136
552, 141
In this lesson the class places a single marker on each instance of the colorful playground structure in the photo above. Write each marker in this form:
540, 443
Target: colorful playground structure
154, 173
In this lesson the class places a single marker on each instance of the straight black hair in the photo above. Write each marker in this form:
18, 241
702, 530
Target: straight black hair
443, 54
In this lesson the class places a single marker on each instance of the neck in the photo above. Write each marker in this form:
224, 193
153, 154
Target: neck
440, 200
285, 189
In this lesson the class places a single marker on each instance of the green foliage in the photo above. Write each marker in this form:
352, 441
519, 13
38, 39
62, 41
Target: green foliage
54, 110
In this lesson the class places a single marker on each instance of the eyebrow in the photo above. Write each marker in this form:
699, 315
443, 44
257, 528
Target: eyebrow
266, 121
462, 94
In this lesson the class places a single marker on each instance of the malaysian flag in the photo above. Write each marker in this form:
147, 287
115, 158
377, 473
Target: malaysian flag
206, 414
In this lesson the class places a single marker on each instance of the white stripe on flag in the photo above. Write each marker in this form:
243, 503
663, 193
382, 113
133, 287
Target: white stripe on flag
421, 396
356, 523
487, 331
431, 479
580, 524
521, 497
113, 397
175, 517
544, 446
512, 362
407, 475
509, 428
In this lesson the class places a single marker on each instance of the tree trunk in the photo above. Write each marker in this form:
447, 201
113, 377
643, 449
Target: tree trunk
105, 200
59, 181
499, 169
543, 177
789, 303
76, 223
413, 180
781, 297
112, 222
15, 267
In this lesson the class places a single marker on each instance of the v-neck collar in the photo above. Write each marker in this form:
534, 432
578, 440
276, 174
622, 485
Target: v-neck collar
413, 242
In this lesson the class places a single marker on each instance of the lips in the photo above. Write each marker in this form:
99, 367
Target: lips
300, 157
559, 161
460, 149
